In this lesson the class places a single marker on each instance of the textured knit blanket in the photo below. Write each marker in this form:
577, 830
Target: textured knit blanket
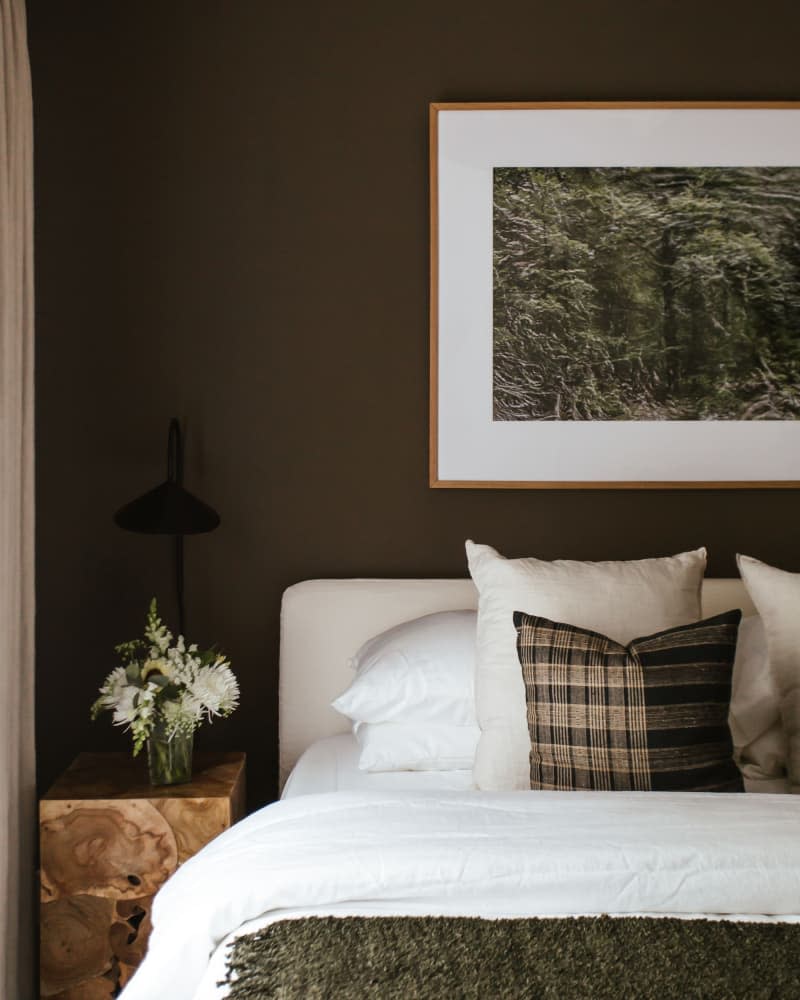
588, 958
470, 855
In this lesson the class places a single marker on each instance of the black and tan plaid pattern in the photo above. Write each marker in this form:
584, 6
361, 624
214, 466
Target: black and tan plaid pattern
652, 716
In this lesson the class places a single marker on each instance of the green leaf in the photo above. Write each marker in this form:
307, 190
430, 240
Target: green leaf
132, 672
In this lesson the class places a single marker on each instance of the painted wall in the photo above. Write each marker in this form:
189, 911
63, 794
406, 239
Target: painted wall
232, 228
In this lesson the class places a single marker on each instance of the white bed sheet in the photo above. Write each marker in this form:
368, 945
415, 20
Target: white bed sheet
473, 853
331, 765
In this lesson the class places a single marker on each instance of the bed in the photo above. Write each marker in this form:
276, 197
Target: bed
341, 847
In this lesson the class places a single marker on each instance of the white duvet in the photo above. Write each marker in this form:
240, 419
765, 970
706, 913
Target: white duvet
483, 854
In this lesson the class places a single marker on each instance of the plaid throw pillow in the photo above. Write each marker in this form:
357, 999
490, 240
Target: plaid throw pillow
652, 716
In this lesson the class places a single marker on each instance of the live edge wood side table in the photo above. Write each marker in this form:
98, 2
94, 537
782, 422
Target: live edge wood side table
109, 840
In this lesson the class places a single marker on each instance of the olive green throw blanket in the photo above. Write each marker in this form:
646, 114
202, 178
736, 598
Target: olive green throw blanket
445, 958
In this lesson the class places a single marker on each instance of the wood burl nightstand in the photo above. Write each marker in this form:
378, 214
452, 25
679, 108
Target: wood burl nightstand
109, 840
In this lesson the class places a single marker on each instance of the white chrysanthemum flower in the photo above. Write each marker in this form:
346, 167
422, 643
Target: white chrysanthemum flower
125, 707
216, 688
112, 688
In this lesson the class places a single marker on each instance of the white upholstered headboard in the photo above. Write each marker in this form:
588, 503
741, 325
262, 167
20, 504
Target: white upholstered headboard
324, 622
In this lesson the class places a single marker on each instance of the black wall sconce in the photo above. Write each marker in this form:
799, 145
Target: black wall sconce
169, 509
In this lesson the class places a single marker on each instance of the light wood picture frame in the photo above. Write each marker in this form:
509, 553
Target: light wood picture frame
636, 414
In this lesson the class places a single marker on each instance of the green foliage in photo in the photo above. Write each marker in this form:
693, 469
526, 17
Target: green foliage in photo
668, 293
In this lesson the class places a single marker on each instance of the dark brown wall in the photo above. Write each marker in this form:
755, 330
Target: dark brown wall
232, 227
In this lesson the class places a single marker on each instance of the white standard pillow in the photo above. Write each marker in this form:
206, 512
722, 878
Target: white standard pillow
623, 600
422, 671
755, 719
392, 746
776, 595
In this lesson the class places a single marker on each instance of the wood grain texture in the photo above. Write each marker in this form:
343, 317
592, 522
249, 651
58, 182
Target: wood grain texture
109, 841
194, 822
125, 973
130, 931
433, 304
75, 944
120, 776
95, 989
119, 849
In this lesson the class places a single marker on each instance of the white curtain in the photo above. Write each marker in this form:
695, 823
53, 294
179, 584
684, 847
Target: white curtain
17, 766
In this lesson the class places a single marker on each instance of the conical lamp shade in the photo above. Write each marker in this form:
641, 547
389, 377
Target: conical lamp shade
168, 509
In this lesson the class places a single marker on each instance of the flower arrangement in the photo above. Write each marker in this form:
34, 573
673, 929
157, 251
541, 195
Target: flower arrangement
165, 689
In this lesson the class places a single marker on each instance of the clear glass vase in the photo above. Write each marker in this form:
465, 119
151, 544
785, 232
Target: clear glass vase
169, 760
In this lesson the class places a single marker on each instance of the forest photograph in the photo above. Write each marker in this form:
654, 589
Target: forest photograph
646, 293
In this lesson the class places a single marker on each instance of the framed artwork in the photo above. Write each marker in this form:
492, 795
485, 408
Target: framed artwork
615, 295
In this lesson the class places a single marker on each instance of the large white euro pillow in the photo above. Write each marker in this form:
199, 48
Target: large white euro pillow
759, 741
422, 671
397, 746
623, 600
776, 595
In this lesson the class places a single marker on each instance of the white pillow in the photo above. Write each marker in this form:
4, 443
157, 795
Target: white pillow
392, 746
776, 595
623, 600
420, 671
755, 719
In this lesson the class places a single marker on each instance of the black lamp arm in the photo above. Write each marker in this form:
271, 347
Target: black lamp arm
175, 453
175, 475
